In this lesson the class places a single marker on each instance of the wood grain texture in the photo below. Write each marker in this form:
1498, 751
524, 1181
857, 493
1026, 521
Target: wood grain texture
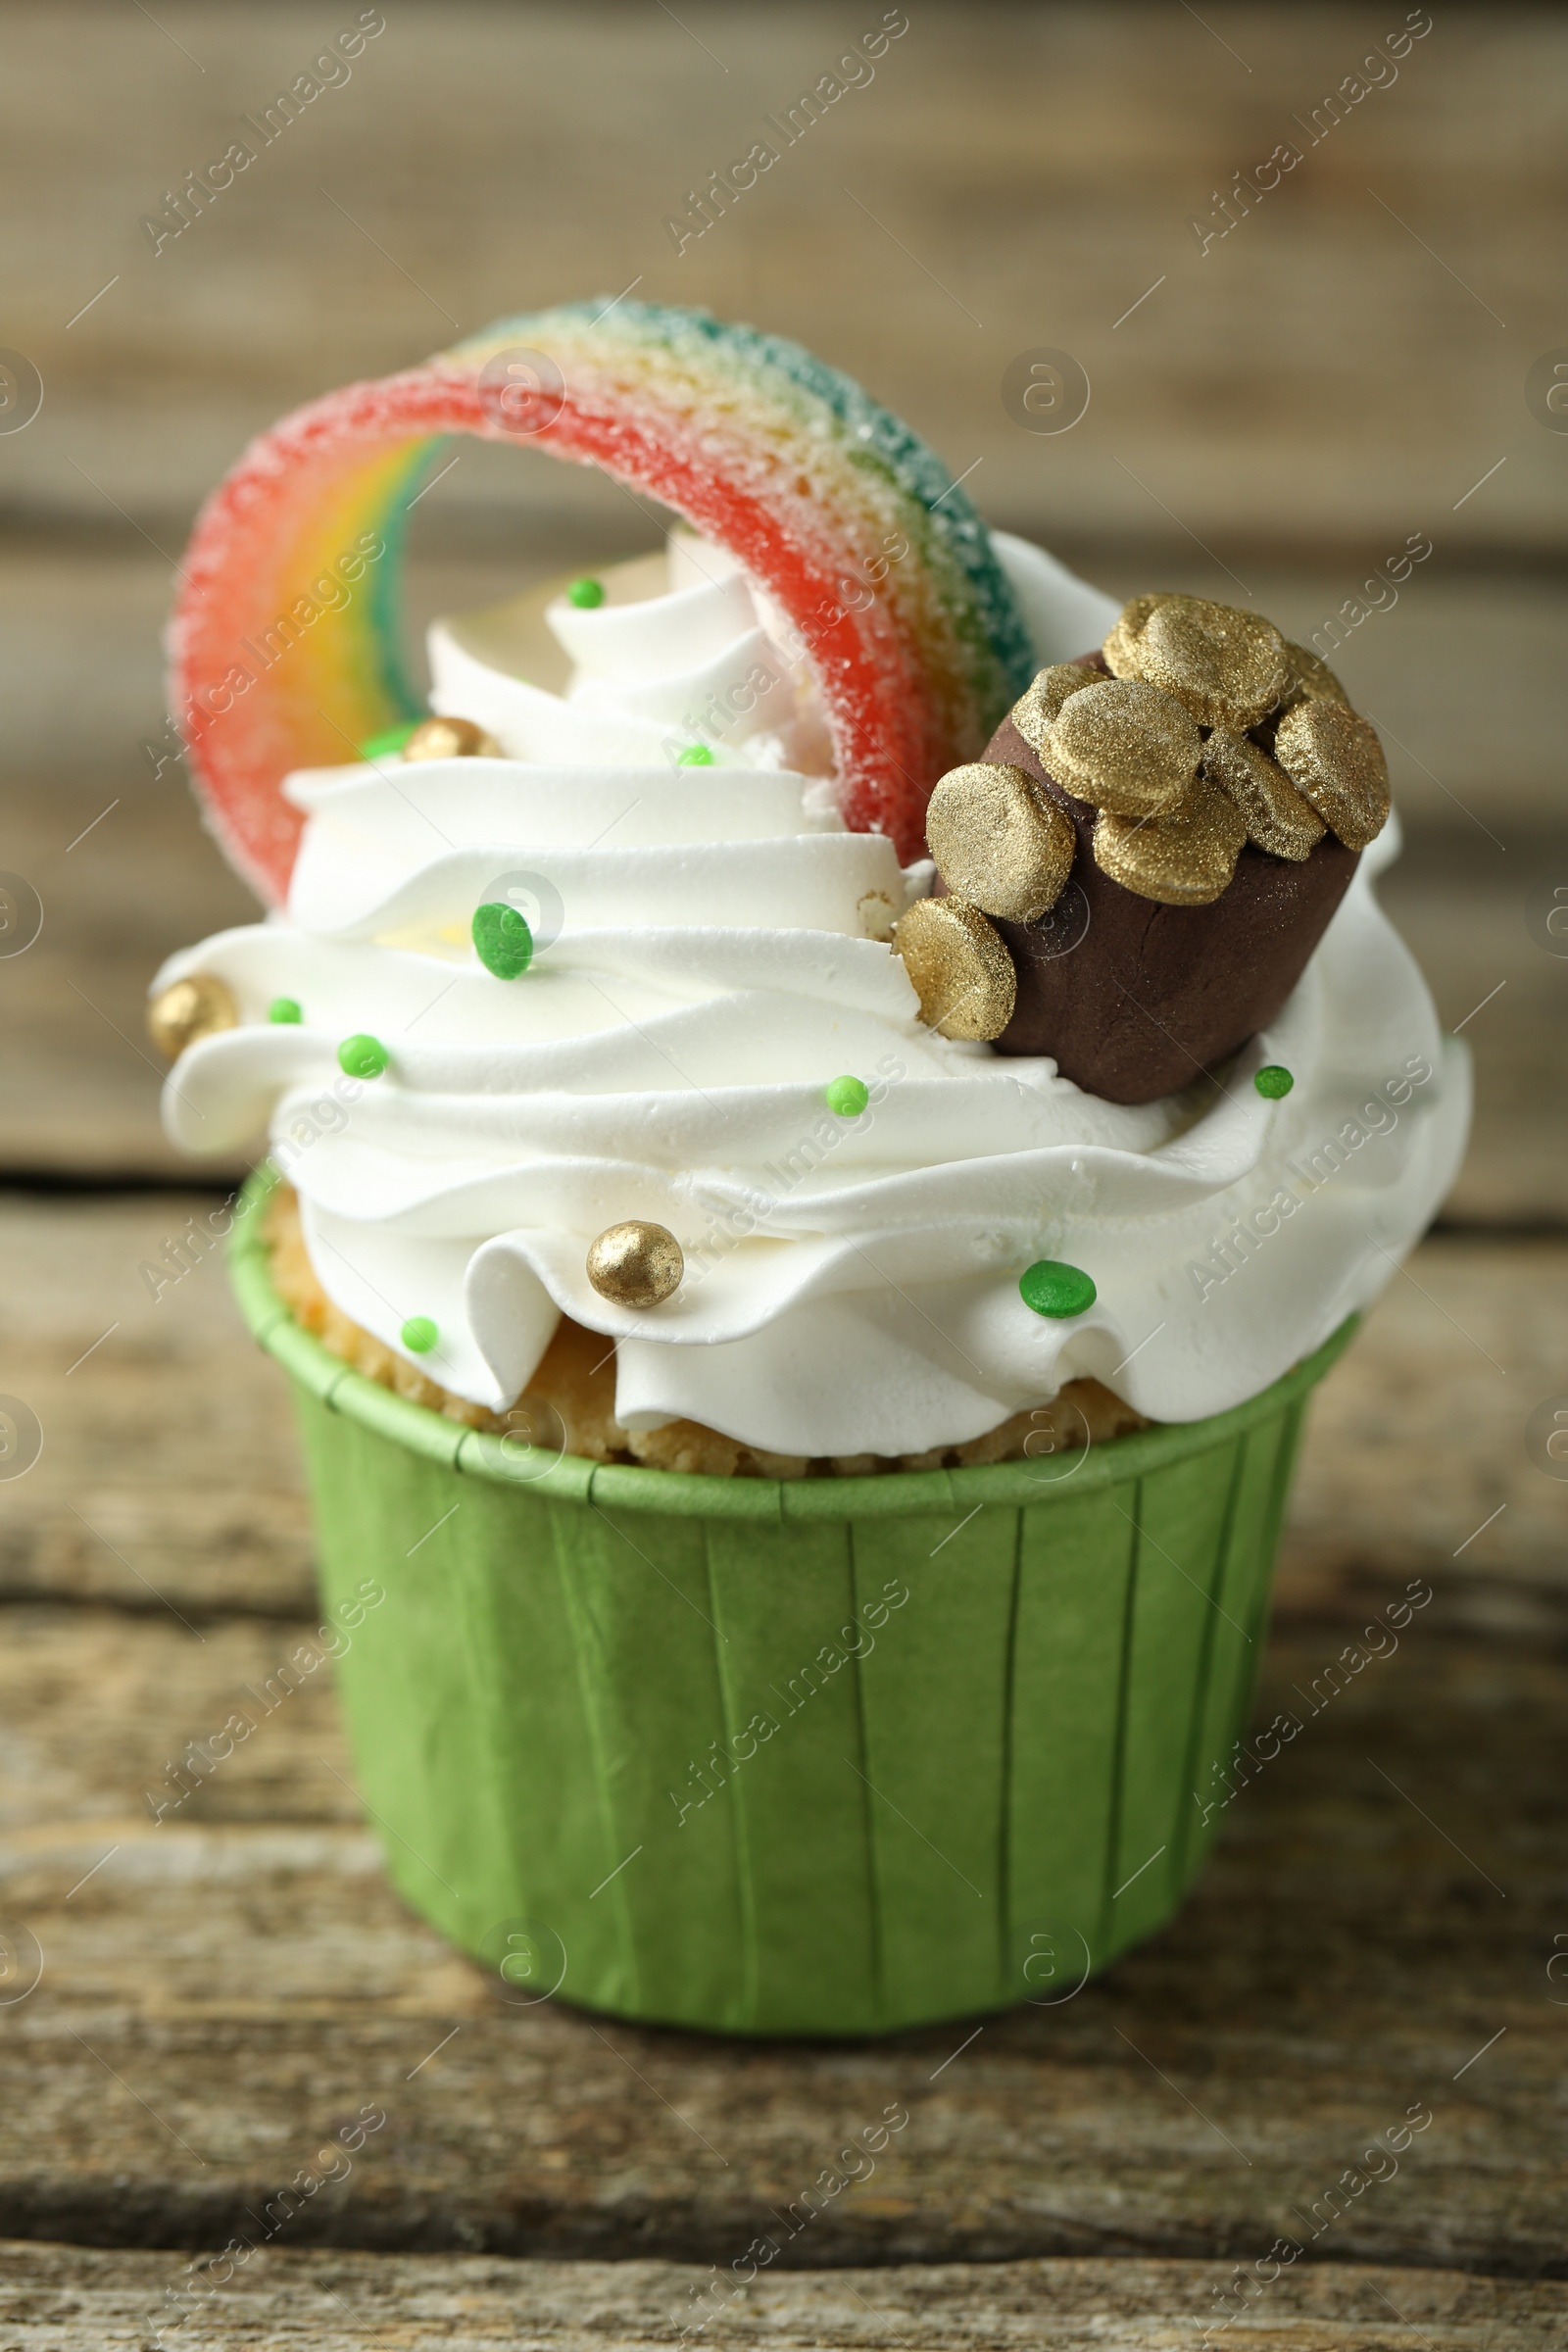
1329, 367
170, 1476
1281, 413
71, 2299
233, 1984
223, 1986
224, 1991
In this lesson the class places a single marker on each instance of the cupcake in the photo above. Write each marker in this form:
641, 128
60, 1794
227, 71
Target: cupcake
824, 1096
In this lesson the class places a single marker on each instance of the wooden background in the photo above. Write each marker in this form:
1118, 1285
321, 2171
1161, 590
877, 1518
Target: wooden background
1270, 417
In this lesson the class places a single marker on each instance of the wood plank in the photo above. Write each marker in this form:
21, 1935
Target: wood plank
1279, 373
81, 1078
72, 2299
224, 1985
224, 1990
169, 1477
222, 1993
1419, 1438
1276, 463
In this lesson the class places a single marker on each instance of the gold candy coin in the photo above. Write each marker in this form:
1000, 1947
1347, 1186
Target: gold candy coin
1229, 668
636, 1264
1334, 758
1126, 747
1120, 648
959, 967
1316, 682
188, 1010
450, 739
998, 840
1041, 704
1184, 858
1277, 816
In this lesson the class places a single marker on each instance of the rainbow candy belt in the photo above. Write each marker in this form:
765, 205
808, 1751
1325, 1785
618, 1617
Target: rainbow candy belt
284, 646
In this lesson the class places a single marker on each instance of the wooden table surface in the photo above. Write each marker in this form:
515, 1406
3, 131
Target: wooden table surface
222, 1990
1384, 1923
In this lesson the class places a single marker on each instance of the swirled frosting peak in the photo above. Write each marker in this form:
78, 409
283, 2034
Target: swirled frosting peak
709, 956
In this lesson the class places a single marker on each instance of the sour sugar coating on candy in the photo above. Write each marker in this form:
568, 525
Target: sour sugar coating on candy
856, 532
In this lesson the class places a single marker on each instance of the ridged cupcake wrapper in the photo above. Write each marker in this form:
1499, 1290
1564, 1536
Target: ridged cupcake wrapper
830, 1756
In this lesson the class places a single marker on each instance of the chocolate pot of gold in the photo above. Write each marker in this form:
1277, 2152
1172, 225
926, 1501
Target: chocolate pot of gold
1133, 878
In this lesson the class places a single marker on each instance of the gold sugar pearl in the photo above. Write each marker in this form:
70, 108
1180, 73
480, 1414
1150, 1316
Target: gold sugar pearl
1334, 758
450, 739
1229, 668
636, 1264
1316, 682
1126, 747
1184, 858
1120, 648
1277, 816
959, 968
187, 1009
998, 840
1036, 709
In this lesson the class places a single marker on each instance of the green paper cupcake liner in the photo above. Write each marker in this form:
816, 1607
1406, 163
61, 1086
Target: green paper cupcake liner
819, 1757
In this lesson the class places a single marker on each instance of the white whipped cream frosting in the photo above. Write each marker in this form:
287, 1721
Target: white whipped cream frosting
710, 954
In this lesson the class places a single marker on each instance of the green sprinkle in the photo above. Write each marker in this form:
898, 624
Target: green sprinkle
695, 755
1273, 1082
848, 1097
502, 939
586, 594
1054, 1289
419, 1335
363, 1056
390, 740
284, 1008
